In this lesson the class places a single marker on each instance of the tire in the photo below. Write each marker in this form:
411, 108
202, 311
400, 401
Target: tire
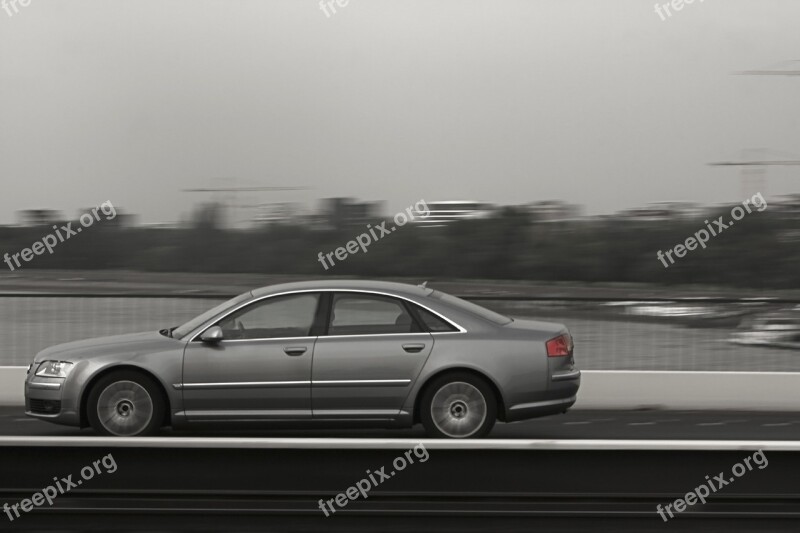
126, 403
458, 405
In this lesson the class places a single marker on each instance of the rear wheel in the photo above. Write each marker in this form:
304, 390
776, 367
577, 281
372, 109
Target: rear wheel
459, 405
126, 404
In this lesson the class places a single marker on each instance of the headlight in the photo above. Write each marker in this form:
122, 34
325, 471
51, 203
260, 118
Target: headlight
54, 369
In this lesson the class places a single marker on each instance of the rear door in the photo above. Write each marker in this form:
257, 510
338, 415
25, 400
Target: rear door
372, 353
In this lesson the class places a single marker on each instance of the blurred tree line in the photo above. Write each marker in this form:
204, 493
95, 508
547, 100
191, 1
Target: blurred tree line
760, 251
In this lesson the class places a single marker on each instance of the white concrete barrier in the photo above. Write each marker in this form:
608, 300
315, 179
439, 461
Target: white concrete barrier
12, 385
609, 389
746, 391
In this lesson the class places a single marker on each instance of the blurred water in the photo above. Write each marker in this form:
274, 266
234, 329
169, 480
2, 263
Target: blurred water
30, 324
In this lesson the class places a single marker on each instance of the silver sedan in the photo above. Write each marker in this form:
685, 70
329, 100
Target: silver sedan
349, 352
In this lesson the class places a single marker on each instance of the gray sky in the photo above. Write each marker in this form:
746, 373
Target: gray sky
597, 102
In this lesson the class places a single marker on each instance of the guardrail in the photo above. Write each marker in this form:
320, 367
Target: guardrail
659, 334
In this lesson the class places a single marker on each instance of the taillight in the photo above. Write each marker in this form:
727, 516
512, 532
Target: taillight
560, 346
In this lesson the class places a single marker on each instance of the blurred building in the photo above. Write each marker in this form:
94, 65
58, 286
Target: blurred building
39, 217
553, 211
277, 213
663, 211
340, 213
685, 210
121, 220
787, 208
446, 212
161, 225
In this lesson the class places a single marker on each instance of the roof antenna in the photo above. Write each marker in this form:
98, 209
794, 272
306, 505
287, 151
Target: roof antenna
423, 285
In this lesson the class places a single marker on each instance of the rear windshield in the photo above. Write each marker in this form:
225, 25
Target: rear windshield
470, 307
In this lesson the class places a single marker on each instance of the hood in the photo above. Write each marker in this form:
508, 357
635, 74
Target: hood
132, 344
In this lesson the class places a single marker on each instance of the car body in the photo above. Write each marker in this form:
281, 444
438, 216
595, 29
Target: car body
344, 351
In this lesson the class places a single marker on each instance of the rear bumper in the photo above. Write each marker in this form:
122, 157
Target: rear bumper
536, 409
562, 393
570, 375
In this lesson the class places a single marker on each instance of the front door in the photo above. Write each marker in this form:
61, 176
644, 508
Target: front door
261, 369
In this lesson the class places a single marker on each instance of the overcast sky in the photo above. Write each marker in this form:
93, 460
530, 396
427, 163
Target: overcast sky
596, 102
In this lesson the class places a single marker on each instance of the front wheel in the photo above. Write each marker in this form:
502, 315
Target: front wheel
126, 404
458, 406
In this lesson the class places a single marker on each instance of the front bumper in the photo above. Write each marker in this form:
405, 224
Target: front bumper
47, 399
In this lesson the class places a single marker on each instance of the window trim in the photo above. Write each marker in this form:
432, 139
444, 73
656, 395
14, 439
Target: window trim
323, 315
201, 329
415, 313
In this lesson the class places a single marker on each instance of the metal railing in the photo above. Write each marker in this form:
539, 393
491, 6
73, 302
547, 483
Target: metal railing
658, 334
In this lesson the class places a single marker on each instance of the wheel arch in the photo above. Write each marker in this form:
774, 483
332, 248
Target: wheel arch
84, 422
501, 406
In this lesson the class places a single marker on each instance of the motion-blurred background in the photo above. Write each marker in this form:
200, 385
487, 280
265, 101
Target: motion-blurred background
559, 146
731, 306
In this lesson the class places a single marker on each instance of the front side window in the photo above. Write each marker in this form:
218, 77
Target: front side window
273, 318
181, 331
366, 314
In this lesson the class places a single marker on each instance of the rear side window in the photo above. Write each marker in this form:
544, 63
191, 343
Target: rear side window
432, 322
367, 314
470, 307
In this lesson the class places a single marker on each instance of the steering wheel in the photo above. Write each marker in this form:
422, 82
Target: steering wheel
239, 326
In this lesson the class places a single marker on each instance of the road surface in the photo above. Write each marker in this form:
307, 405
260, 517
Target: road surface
586, 424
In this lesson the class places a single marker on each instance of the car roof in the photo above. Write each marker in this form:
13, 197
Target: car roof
403, 289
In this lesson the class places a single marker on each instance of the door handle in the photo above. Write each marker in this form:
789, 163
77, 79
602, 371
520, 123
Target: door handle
413, 348
294, 350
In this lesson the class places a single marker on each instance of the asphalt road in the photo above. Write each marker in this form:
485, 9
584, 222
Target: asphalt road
726, 425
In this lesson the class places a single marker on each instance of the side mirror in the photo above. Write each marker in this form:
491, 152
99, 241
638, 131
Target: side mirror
212, 334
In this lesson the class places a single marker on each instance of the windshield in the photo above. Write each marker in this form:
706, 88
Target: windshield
185, 329
470, 307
